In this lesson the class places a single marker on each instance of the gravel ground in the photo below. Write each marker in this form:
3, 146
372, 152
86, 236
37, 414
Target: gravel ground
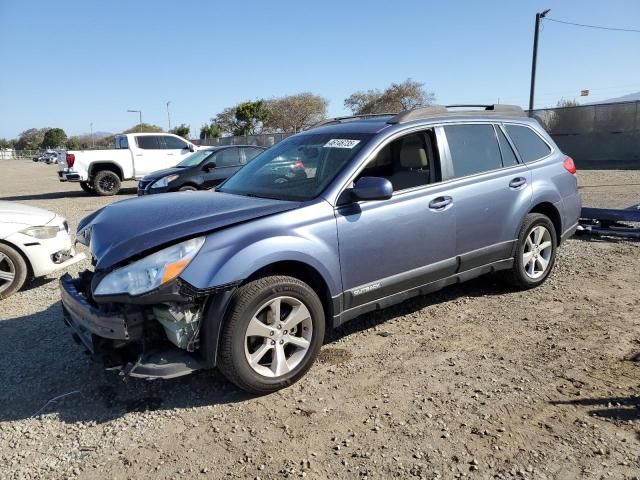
475, 381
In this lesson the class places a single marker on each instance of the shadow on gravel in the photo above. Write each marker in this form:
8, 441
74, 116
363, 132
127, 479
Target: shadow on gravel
58, 195
45, 372
484, 286
614, 408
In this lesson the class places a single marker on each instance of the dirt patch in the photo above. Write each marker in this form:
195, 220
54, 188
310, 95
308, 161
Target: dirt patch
334, 356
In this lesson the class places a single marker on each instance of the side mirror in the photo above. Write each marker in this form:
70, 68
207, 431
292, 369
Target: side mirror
372, 188
191, 147
207, 167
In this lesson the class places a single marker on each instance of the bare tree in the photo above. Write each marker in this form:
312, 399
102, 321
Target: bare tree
395, 98
293, 113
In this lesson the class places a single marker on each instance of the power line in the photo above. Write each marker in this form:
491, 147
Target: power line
593, 26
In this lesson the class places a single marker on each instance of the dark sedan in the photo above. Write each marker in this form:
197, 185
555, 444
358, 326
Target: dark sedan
201, 170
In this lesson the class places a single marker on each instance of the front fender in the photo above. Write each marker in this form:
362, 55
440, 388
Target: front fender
225, 266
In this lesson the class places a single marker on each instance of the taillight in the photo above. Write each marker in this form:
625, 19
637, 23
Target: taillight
71, 158
569, 166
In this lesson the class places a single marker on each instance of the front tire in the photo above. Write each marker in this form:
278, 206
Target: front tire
106, 183
272, 334
535, 252
187, 188
13, 271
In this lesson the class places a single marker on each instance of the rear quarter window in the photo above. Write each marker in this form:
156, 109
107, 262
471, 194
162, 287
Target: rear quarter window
528, 143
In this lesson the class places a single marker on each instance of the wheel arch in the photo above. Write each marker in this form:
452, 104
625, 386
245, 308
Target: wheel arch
22, 254
102, 165
549, 210
217, 305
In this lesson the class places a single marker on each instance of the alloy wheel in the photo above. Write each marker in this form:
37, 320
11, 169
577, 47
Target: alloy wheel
278, 336
7, 272
537, 252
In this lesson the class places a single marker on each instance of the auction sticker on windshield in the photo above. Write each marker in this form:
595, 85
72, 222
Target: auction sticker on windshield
341, 143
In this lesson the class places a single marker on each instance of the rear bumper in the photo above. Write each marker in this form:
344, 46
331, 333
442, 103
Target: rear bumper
69, 176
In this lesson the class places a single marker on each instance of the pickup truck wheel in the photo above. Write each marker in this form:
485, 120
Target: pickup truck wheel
272, 334
535, 252
13, 271
86, 186
106, 183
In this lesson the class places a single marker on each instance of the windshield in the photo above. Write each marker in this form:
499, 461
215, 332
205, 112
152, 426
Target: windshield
195, 158
298, 168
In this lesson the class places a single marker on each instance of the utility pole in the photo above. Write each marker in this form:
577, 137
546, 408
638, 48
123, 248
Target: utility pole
534, 60
93, 142
168, 115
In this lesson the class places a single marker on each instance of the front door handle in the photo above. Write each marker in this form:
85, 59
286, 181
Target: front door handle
440, 203
517, 182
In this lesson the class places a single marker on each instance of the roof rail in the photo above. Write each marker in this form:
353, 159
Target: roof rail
348, 118
495, 107
421, 113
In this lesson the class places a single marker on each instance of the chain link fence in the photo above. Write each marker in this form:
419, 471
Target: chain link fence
596, 136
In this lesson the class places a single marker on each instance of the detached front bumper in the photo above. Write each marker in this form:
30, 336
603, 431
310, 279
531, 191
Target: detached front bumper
118, 337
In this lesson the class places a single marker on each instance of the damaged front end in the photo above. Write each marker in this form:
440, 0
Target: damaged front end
153, 336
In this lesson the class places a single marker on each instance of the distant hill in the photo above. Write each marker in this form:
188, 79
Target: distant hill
630, 97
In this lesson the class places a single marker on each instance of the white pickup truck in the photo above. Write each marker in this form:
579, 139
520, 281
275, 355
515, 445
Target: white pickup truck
134, 156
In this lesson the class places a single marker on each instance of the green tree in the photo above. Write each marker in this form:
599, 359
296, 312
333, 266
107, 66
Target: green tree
54, 138
144, 128
293, 113
30, 139
395, 98
211, 130
73, 143
4, 143
246, 118
181, 130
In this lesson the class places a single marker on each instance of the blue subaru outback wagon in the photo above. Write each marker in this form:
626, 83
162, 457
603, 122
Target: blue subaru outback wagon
250, 277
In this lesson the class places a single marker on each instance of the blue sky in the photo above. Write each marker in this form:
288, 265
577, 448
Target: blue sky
68, 63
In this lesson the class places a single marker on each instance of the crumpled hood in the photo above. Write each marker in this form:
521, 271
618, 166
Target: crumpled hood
130, 227
18, 213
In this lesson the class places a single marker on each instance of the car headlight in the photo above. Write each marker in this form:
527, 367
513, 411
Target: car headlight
84, 236
164, 181
152, 271
42, 233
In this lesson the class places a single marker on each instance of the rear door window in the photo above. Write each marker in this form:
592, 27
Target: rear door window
228, 157
530, 146
508, 157
474, 149
149, 142
251, 153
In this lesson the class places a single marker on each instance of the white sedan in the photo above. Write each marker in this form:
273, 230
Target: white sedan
33, 243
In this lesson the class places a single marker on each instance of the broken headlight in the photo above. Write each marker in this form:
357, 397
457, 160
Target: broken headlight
152, 271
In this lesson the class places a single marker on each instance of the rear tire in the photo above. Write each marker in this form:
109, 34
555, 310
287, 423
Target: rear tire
261, 351
13, 271
535, 252
106, 183
86, 186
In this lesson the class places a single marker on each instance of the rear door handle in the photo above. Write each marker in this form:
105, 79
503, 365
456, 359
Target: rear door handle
440, 203
517, 182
